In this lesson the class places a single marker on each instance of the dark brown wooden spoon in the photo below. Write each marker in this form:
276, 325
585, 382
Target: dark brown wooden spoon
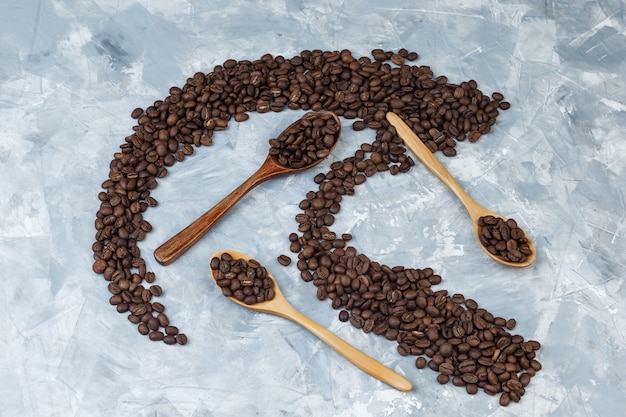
174, 247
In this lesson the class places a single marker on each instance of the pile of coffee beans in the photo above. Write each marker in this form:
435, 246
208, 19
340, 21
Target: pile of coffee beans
465, 344
504, 238
307, 141
395, 302
244, 280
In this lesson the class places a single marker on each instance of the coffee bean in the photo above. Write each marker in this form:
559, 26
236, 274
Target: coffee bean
344, 316
284, 260
163, 320
153, 323
420, 362
156, 336
510, 324
136, 113
443, 378
143, 329
169, 339
446, 368
99, 266
181, 339
471, 389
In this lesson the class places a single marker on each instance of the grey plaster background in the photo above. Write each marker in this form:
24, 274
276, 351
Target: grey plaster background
72, 71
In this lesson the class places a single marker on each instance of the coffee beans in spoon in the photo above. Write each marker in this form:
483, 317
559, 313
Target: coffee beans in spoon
305, 142
245, 280
502, 237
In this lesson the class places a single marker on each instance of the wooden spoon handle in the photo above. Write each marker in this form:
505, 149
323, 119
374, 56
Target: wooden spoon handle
358, 358
426, 157
174, 247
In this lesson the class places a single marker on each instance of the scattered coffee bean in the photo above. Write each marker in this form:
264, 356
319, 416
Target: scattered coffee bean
181, 339
284, 260
344, 316
420, 362
136, 113
156, 336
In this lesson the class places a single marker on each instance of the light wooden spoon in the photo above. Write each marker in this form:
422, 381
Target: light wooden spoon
475, 210
280, 306
175, 246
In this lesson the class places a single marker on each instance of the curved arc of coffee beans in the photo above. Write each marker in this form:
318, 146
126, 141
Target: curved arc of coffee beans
364, 89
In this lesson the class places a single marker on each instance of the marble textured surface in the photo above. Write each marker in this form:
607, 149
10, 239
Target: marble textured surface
71, 71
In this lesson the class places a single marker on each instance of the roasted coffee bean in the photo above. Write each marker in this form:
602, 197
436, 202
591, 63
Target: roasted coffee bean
446, 368
181, 339
136, 113
153, 323
420, 362
344, 316
143, 329
156, 336
171, 330
443, 378
284, 260
163, 320
169, 339
471, 389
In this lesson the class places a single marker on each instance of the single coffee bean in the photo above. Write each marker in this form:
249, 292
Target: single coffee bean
136, 113
163, 320
471, 388
169, 339
446, 368
143, 329
344, 316
443, 378
171, 330
420, 362
181, 339
156, 336
284, 260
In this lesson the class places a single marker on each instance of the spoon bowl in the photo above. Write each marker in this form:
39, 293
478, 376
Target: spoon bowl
475, 210
175, 246
279, 306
